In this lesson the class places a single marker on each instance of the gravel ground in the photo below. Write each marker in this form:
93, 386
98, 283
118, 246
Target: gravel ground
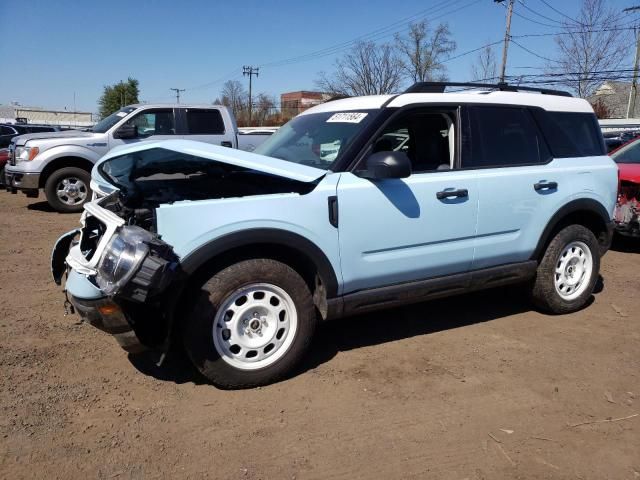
479, 386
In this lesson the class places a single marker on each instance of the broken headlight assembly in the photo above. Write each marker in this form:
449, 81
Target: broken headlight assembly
135, 265
122, 257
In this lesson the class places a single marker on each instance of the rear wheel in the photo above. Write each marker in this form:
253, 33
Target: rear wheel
568, 271
68, 189
251, 325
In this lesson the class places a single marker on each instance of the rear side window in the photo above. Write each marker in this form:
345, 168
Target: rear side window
204, 122
502, 137
571, 134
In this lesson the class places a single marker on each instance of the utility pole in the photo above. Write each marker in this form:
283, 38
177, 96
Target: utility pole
250, 71
177, 90
507, 37
631, 107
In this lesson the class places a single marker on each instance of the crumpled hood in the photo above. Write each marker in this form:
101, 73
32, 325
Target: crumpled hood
239, 158
630, 172
22, 139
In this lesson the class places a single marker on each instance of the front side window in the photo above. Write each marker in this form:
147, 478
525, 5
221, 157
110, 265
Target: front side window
502, 137
106, 123
317, 139
204, 122
628, 154
154, 122
425, 135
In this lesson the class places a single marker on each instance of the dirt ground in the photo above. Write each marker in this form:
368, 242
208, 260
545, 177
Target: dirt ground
474, 387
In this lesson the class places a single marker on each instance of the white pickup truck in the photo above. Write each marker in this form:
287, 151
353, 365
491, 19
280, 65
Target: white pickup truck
61, 162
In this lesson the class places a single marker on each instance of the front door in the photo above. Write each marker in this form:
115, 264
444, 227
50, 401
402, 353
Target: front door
400, 230
152, 124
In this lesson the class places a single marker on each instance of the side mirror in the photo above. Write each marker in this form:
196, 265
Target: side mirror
126, 131
388, 165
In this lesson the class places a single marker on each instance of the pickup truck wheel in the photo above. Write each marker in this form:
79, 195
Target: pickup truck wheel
568, 271
251, 324
68, 189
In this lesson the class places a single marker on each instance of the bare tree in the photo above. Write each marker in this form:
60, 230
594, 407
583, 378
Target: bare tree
367, 69
424, 50
234, 96
590, 49
485, 68
263, 108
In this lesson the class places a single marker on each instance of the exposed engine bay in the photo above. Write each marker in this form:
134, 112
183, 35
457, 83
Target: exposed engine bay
627, 212
156, 176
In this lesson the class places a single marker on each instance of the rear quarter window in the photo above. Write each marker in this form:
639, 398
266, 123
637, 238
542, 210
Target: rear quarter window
571, 134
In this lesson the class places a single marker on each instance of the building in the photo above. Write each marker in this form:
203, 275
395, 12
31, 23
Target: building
35, 115
292, 103
614, 97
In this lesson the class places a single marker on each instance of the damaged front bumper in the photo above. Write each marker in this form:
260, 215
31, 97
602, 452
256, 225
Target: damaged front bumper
627, 212
132, 308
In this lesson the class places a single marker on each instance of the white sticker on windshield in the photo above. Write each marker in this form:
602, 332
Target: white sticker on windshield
122, 114
347, 117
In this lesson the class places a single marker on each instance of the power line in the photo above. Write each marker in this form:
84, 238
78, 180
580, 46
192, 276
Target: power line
560, 13
524, 5
533, 53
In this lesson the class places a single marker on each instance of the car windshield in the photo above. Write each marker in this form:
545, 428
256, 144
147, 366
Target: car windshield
316, 139
630, 153
106, 123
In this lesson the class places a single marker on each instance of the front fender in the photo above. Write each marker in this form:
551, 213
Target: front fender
39, 163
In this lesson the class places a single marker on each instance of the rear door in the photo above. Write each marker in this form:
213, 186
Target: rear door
519, 185
205, 125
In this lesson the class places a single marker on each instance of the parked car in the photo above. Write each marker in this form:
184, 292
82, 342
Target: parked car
239, 254
627, 213
4, 158
61, 162
614, 140
9, 131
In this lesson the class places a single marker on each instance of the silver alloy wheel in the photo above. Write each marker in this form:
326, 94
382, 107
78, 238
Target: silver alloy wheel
71, 190
255, 326
574, 269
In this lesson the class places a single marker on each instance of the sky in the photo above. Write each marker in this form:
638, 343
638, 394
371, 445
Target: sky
55, 50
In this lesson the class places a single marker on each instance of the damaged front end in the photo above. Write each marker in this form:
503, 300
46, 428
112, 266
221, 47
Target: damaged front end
627, 212
118, 273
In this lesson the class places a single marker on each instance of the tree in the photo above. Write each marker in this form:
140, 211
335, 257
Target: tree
600, 109
264, 108
590, 49
423, 51
485, 68
234, 96
114, 97
367, 69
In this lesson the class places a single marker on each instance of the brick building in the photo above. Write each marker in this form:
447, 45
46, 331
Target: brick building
292, 103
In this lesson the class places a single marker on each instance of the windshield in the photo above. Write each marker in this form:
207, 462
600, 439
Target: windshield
316, 139
106, 123
630, 153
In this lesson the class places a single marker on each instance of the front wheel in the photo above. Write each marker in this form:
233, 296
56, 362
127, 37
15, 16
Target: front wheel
568, 271
251, 324
68, 189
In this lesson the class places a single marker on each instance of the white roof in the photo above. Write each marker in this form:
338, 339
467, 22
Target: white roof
548, 102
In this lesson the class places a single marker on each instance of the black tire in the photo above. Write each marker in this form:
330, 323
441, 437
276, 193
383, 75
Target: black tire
51, 187
544, 293
198, 333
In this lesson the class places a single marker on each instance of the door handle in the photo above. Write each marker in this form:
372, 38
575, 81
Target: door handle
545, 186
225, 143
463, 192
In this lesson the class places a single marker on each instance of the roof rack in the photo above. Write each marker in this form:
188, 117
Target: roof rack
439, 87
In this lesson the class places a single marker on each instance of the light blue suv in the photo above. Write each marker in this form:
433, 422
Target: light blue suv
355, 205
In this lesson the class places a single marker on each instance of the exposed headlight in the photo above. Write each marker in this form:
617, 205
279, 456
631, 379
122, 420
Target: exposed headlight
26, 154
122, 257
